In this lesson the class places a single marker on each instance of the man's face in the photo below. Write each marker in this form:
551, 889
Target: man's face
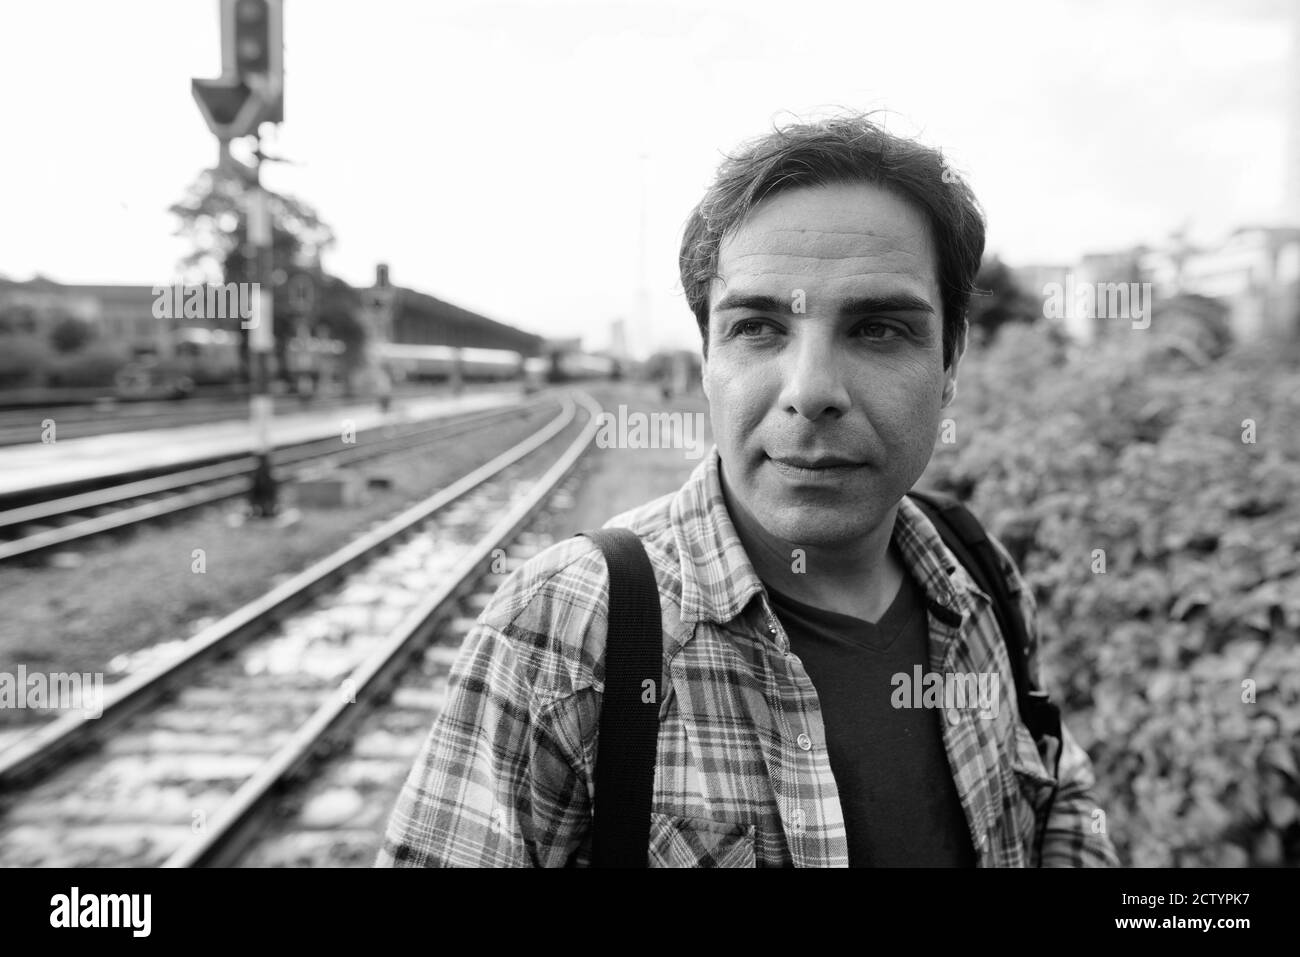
825, 370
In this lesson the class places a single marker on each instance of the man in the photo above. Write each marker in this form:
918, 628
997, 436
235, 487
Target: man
829, 268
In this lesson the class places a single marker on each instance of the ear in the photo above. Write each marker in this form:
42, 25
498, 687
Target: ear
704, 366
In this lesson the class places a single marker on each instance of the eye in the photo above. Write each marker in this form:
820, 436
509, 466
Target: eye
880, 330
750, 328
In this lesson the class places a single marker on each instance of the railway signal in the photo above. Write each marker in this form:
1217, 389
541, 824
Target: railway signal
249, 92
301, 293
252, 36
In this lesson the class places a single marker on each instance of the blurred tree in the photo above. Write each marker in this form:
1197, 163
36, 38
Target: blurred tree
657, 366
94, 365
338, 317
70, 334
1000, 300
212, 220
1195, 326
676, 370
24, 361
17, 320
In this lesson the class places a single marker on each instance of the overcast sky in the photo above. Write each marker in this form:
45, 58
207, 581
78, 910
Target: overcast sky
492, 153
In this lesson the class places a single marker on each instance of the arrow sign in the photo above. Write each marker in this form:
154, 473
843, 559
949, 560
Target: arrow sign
250, 90
230, 107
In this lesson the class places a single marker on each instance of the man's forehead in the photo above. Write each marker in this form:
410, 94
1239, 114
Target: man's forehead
823, 238
851, 233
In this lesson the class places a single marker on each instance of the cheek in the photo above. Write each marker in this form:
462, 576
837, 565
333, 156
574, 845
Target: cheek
737, 401
908, 417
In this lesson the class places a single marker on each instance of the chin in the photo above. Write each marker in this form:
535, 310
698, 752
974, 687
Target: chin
817, 527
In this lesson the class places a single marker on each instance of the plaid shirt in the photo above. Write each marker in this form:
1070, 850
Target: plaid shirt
743, 778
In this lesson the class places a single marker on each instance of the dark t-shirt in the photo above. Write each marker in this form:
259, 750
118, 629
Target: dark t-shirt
900, 804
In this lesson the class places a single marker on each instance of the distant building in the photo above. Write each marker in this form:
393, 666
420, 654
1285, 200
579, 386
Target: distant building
120, 314
1059, 290
1035, 280
1254, 273
618, 339
396, 314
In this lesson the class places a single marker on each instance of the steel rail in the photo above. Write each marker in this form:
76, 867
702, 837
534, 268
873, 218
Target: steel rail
219, 482
235, 825
46, 747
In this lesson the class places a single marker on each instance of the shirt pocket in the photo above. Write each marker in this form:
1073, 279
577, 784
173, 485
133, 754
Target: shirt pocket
677, 841
1033, 789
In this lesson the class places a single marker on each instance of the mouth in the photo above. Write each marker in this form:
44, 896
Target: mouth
819, 467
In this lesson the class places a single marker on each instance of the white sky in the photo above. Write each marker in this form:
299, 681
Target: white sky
490, 151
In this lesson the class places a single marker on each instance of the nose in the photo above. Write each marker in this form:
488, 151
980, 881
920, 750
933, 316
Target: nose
813, 385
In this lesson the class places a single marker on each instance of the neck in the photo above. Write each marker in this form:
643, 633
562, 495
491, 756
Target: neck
859, 578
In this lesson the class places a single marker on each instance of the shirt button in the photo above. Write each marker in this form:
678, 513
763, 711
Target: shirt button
804, 742
954, 717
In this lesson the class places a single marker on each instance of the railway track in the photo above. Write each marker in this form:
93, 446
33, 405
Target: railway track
190, 759
57, 523
336, 815
21, 426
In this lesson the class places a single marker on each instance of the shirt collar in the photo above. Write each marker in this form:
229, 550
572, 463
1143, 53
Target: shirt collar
718, 580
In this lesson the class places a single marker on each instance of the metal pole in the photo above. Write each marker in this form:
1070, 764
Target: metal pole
642, 322
261, 342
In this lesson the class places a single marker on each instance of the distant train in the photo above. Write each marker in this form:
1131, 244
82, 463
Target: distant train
405, 361
575, 366
437, 363
201, 357
204, 357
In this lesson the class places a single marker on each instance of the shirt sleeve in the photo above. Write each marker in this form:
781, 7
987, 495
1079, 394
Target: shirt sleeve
1073, 826
501, 779
1075, 834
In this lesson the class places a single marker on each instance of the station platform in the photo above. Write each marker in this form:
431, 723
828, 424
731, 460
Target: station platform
37, 466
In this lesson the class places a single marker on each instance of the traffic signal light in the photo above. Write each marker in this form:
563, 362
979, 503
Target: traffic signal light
252, 38
250, 89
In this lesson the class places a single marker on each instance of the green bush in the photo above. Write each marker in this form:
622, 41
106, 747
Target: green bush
24, 361
71, 334
1179, 665
92, 367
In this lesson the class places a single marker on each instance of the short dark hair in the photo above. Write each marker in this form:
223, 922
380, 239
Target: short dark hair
844, 149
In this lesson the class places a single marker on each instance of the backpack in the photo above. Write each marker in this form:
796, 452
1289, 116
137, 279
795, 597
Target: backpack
629, 718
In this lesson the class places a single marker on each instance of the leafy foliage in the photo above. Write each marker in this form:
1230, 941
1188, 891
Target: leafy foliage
212, 218
999, 301
1178, 667
336, 316
31, 362
70, 334
23, 361
93, 366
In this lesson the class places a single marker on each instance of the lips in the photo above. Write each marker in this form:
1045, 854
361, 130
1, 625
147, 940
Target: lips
816, 461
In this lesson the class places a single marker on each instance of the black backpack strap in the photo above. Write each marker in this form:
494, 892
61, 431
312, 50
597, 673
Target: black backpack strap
629, 710
967, 540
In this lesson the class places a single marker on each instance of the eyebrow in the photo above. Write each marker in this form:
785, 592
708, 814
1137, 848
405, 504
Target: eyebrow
856, 306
